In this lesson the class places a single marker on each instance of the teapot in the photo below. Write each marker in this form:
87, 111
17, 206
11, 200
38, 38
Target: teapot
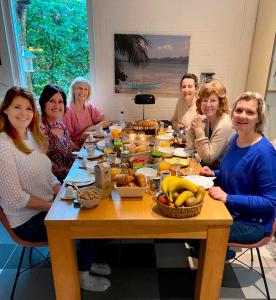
179, 137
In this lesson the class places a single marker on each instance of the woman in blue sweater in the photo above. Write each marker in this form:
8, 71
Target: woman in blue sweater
247, 174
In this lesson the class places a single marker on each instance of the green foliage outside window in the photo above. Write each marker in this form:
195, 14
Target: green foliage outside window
56, 32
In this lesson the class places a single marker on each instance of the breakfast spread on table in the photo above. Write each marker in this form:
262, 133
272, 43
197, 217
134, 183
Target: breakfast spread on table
134, 162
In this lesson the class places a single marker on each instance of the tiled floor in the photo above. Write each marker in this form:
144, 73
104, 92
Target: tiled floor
141, 270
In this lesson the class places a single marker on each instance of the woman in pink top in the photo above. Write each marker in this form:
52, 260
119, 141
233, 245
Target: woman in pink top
82, 116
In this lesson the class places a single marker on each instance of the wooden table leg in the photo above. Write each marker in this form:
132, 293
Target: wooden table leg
64, 263
211, 264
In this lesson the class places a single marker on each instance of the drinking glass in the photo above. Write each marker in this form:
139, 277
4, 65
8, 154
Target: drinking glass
193, 168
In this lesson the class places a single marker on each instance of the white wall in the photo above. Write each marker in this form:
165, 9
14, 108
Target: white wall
221, 31
221, 39
262, 52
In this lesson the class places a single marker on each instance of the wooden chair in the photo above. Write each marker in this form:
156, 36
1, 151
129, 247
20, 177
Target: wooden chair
24, 244
256, 246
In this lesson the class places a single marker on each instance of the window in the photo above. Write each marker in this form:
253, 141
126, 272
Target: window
52, 38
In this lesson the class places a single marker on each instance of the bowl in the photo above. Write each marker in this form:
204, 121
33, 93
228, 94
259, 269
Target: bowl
181, 152
163, 140
166, 151
89, 196
130, 192
148, 172
180, 212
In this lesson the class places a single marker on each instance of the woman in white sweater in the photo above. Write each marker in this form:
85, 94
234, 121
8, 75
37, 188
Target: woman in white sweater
212, 134
27, 184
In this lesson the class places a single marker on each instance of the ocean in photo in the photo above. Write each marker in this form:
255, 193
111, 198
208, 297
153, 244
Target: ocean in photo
157, 78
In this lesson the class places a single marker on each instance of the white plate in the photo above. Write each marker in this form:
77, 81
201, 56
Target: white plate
90, 164
204, 181
181, 152
84, 154
79, 177
63, 197
79, 184
149, 173
99, 135
91, 141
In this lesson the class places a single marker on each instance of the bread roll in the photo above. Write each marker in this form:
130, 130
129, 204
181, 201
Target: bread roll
132, 184
140, 180
123, 179
146, 123
141, 148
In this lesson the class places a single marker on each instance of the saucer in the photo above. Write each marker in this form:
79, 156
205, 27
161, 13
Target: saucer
99, 135
64, 197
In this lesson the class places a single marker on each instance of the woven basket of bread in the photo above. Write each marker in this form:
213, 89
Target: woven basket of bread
180, 212
148, 126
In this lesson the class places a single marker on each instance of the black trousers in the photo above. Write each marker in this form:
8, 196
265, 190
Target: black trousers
34, 230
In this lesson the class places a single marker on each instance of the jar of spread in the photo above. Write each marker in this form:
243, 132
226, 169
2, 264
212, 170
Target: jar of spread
117, 147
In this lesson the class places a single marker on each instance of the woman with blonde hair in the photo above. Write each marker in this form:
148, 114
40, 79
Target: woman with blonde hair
27, 184
212, 134
247, 174
82, 116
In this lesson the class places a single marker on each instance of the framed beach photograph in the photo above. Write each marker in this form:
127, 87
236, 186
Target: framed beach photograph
151, 64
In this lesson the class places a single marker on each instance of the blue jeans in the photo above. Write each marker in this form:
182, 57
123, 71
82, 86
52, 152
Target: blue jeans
246, 233
34, 230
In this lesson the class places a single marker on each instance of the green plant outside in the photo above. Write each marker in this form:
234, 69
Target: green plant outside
59, 28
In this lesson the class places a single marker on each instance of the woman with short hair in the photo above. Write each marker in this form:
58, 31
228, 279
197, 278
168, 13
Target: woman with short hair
185, 110
82, 116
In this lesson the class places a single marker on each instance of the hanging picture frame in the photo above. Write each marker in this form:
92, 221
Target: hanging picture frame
150, 64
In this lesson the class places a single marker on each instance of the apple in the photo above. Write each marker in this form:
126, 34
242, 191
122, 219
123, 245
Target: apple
164, 200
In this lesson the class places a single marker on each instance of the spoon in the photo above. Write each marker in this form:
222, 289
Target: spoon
76, 188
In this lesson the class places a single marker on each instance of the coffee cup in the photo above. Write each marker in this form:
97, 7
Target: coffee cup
91, 150
84, 162
99, 130
164, 174
90, 138
111, 156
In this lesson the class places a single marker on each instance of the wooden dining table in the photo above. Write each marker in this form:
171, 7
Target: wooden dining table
135, 218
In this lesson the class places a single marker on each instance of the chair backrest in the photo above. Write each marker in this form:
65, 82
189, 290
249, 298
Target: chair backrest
16, 239
265, 240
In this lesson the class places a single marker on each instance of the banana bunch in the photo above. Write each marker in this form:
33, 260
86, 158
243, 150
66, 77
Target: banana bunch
181, 192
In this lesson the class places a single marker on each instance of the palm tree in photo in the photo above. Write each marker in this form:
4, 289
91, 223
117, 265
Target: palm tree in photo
130, 47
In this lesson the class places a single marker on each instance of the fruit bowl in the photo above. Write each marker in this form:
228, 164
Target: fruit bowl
180, 212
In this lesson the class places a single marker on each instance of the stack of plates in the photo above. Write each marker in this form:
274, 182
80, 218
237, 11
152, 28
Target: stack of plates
80, 178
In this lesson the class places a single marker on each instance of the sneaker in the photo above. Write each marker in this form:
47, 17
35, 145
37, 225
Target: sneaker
93, 283
100, 269
230, 254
